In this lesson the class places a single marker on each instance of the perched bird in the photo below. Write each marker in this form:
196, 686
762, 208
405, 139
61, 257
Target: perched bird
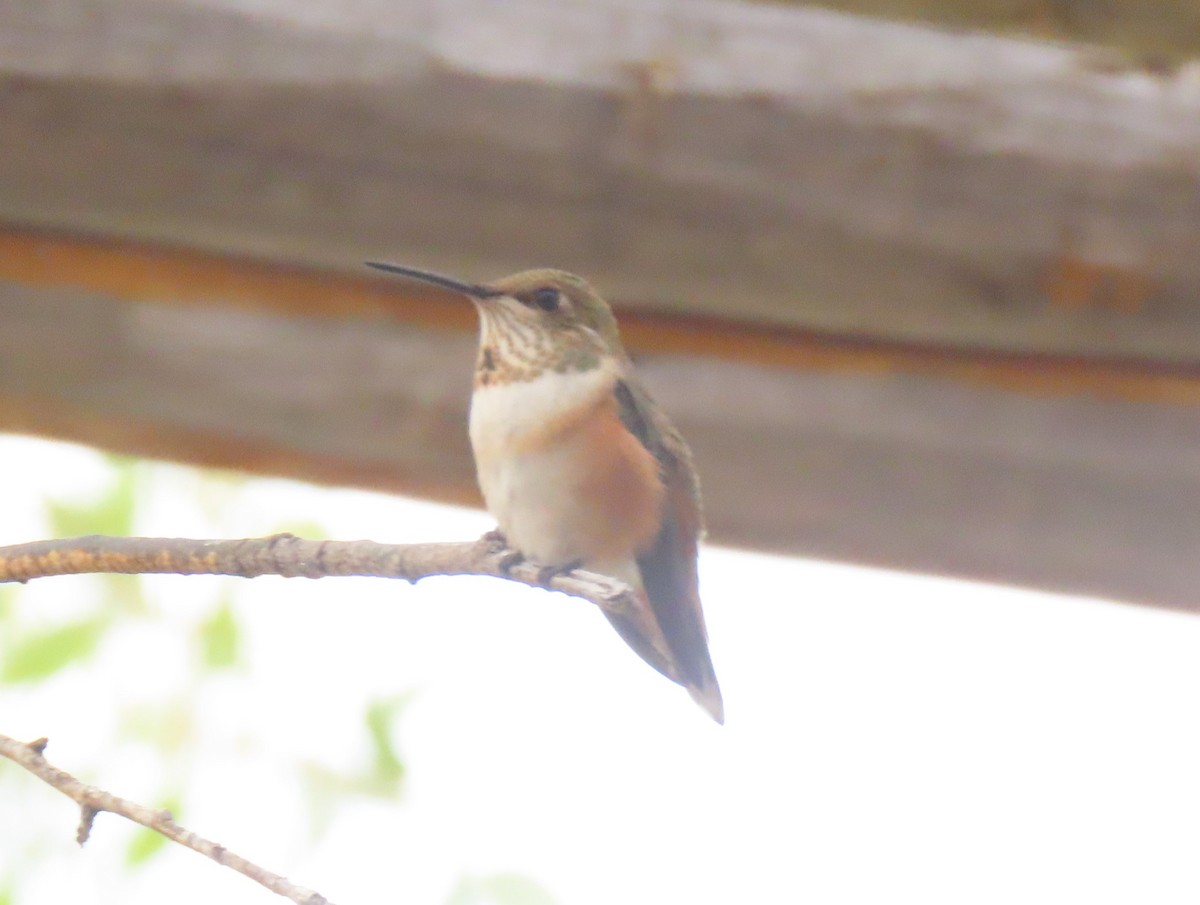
580, 467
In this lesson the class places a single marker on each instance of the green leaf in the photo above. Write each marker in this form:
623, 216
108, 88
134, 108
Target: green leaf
168, 725
43, 653
325, 790
513, 889
219, 638
214, 490
305, 529
143, 845
387, 770
124, 594
500, 889
111, 514
146, 842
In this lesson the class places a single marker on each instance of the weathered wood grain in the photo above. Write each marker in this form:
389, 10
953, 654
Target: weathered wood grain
937, 200
1065, 491
782, 165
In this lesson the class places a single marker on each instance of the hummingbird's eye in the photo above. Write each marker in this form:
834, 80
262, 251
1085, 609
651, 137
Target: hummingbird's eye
547, 298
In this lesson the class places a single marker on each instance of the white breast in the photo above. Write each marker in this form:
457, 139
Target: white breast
525, 484
505, 415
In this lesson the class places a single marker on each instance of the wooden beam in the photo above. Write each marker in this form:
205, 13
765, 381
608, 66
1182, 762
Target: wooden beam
838, 246
142, 272
1151, 34
1078, 491
776, 166
155, 438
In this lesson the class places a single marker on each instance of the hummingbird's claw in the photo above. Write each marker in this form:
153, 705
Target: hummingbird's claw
547, 574
509, 558
496, 539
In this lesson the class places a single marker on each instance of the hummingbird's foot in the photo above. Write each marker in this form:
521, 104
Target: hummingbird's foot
547, 574
509, 558
495, 539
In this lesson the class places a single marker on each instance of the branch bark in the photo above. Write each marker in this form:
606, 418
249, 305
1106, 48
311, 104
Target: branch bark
93, 800
293, 557
280, 554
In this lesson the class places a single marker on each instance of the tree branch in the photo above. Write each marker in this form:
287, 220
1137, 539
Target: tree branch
292, 557
92, 800
281, 554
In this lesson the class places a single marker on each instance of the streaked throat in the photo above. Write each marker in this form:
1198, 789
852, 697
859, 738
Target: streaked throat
514, 350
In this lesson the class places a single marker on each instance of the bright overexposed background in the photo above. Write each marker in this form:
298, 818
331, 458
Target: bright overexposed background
890, 737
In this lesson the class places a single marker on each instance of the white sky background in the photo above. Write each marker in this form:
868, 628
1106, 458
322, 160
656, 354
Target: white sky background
890, 737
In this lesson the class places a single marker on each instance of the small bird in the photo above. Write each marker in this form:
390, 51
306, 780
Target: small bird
580, 467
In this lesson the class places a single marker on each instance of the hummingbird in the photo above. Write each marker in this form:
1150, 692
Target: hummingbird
579, 466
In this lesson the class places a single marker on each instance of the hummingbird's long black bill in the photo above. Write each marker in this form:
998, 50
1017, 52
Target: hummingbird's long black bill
470, 289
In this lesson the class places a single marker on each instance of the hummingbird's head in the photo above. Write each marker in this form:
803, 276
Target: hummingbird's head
554, 301
533, 321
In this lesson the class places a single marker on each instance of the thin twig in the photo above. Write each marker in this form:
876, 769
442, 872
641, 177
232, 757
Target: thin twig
291, 557
92, 800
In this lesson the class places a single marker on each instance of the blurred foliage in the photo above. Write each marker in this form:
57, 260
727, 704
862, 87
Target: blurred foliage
213, 490
499, 889
219, 638
1149, 33
386, 769
42, 652
33, 649
111, 513
307, 530
382, 777
146, 842
167, 725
